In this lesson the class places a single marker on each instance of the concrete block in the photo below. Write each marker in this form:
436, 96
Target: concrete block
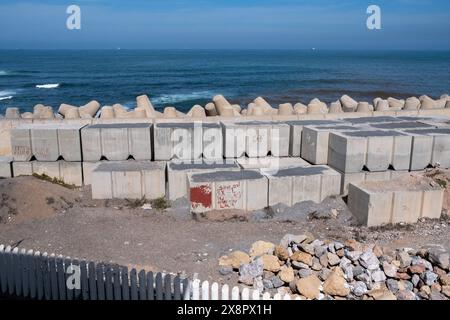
315, 142
296, 184
375, 150
5, 166
271, 163
212, 141
88, 167
21, 144
178, 140
371, 120
296, 129
69, 142
48, 168
71, 172
117, 141
234, 140
436, 139
20, 168
177, 172
227, 190
399, 200
44, 143
128, 180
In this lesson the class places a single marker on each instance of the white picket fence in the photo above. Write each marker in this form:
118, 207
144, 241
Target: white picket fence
204, 291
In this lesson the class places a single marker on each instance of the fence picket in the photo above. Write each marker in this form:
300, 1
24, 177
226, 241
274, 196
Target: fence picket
235, 293
17, 267
92, 281
255, 295
84, 280
109, 282
46, 277
205, 290
167, 287
100, 282
3, 277
186, 289
225, 292
177, 288
25, 270
9, 270
125, 284
196, 289
68, 282
277, 296
245, 294
61, 278
117, 285
39, 276
53, 277
77, 288
215, 291
159, 287
142, 285
266, 296
150, 286
133, 285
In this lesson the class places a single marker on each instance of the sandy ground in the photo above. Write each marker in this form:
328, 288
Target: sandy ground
43, 216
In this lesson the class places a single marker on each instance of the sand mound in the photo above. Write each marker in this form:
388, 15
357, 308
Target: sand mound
27, 198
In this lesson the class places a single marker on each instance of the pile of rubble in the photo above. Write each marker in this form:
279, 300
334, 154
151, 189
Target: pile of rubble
314, 269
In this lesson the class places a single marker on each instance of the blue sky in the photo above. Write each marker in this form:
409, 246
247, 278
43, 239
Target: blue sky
219, 24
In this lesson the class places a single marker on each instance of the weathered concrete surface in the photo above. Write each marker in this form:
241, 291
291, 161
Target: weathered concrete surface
5, 166
117, 141
128, 180
177, 172
315, 141
225, 190
296, 129
69, 172
46, 142
296, 184
271, 163
405, 199
375, 150
430, 147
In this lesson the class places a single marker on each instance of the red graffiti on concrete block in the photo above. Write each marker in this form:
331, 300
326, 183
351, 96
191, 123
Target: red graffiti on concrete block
228, 195
201, 196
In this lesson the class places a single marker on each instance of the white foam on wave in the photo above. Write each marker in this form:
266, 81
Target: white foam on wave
7, 94
48, 86
174, 98
3, 73
6, 98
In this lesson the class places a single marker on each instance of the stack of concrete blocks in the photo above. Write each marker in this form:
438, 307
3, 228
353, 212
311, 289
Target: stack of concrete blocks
187, 141
255, 139
177, 174
271, 163
400, 200
297, 184
129, 180
296, 131
50, 149
6, 166
117, 141
244, 190
315, 141
430, 147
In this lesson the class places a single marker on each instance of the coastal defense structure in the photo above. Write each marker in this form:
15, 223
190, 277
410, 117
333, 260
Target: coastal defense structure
222, 158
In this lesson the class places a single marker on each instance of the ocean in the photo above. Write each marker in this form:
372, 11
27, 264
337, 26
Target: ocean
182, 78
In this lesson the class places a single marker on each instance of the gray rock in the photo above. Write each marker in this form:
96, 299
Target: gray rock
225, 270
305, 247
299, 265
364, 277
258, 284
267, 284
439, 257
389, 269
319, 251
415, 280
358, 270
348, 272
392, 285
404, 258
405, 295
333, 259
303, 273
419, 261
369, 260
429, 277
276, 282
353, 255
316, 266
344, 263
338, 245
436, 295
324, 274
331, 248
407, 285
378, 276
253, 269
359, 288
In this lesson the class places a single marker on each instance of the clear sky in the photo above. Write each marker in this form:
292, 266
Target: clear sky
219, 24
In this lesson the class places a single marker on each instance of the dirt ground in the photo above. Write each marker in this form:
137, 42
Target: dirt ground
43, 216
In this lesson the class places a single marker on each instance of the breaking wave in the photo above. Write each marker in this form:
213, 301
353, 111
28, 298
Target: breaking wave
176, 98
7, 94
47, 86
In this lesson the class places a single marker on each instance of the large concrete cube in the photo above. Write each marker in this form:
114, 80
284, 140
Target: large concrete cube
117, 141
315, 141
128, 180
177, 172
227, 190
296, 129
405, 199
296, 184
271, 163
430, 147
5, 167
